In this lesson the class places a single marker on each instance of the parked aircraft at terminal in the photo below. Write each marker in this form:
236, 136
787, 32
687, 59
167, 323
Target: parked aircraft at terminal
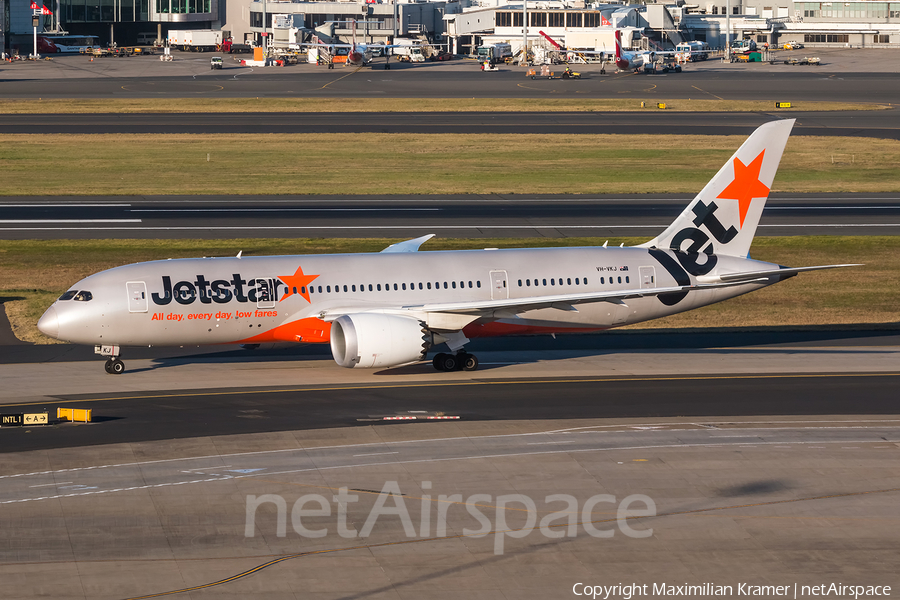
390, 308
628, 61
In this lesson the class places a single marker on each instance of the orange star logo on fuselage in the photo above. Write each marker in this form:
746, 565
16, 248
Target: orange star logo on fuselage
296, 284
746, 185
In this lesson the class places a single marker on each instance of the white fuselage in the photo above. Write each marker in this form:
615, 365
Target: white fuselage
255, 299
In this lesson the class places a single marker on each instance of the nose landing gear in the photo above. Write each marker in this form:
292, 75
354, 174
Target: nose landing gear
113, 365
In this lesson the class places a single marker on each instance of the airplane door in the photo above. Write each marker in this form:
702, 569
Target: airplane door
499, 286
137, 296
648, 277
265, 292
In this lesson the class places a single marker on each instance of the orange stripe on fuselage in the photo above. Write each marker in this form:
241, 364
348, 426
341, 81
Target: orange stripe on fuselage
311, 329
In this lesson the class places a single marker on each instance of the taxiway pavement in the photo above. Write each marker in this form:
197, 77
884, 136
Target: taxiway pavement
407, 217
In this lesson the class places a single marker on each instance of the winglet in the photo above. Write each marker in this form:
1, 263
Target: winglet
408, 245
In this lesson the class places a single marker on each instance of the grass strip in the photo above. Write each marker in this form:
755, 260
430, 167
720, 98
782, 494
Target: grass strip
436, 105
34, 273
382, 163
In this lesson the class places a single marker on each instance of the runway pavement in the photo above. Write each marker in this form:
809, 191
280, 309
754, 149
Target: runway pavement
767, 459
877, 124
407, 217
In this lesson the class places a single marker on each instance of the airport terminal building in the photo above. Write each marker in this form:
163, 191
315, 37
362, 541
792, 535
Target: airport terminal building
461, 25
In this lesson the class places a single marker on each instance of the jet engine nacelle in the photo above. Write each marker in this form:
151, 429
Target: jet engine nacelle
368, 340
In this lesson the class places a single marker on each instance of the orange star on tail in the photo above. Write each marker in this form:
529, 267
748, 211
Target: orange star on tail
746, 185
298, 281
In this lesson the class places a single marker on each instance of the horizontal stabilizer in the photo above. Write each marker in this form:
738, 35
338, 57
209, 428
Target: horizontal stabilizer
784, 273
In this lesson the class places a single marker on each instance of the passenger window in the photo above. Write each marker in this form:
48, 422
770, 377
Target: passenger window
528, 282
395, 287
420, 285
429, 285
345, 288
520, 283
83, 296
68, 295
320, 289
328, 289
576, 281
445, 285
569, 281
470, 284
478, 283
462, 284
453, 283
627, 279
620, 280
543, 282
603, 280
370, 287
302, 290
379, 287
353, 288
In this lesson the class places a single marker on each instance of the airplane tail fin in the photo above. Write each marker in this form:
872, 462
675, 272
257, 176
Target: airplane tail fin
618, 36
722, 219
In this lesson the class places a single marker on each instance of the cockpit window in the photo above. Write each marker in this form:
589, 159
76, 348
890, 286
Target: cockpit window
83, 296
68, 295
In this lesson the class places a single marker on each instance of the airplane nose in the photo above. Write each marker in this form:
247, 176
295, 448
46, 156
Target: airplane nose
48, 324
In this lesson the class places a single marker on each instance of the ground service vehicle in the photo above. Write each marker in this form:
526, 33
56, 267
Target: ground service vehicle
692, 51
231, 47
389, 308
58, 44
792, 45
496, 52
215, 62
195, 40
744, 46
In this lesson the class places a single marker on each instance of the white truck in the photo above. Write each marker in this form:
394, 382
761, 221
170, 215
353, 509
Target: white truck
406, 49
195, 40
494, 53
692, 51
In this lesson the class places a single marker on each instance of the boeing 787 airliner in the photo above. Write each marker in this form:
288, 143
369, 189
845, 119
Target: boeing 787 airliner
389, 308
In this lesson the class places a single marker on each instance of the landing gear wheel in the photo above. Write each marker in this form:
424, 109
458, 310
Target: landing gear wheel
469, 362
114, 366
438, 361
449, 362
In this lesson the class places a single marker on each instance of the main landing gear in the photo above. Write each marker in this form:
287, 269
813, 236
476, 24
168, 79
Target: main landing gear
462, 361
113, 365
